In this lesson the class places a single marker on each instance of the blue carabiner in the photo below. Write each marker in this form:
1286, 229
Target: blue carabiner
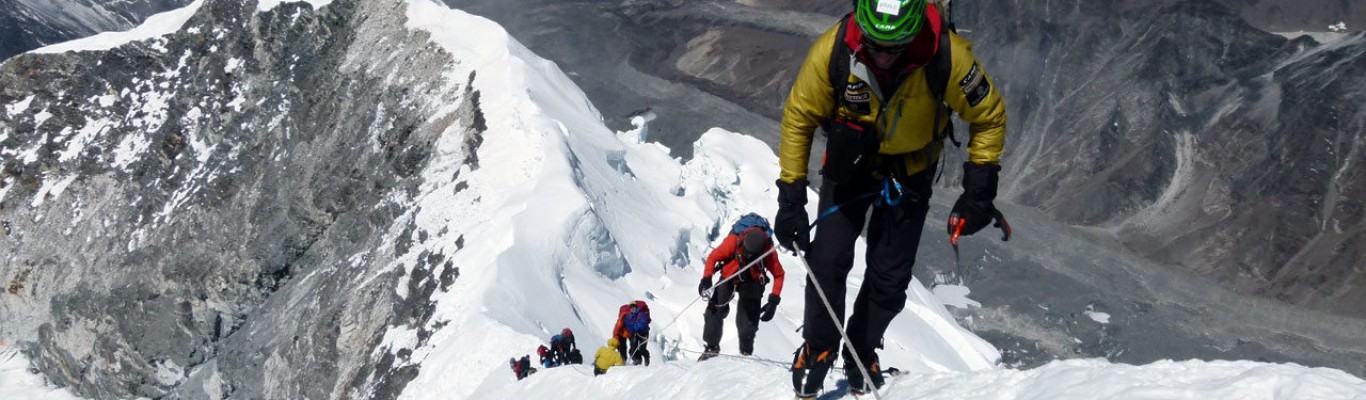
887, 184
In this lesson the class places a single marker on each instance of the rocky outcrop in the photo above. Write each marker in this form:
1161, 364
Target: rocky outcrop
211, 214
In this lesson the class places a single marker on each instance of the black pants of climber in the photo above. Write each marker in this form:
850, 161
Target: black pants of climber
751, 293
634, 349
893, 238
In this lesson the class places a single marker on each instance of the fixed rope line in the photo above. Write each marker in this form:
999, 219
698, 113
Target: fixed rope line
708, 291
888, 184
839, 325
741, 356
637, 350
758, 359
886, 196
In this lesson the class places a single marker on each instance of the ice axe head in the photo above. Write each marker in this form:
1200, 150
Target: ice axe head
956, 224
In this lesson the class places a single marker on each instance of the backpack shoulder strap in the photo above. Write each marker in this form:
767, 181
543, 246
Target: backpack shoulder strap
937, 77
940, 66
839, 63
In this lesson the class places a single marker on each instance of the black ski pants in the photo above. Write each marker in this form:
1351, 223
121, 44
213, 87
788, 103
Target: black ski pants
751, 293
634, 349
893, 238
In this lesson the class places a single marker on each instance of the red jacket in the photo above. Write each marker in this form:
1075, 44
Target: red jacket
727, 255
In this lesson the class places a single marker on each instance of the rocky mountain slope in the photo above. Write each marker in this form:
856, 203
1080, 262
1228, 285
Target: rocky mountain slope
1194, 138
179, 220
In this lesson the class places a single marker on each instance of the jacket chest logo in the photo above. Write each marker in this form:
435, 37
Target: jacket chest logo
857, 97
857, 92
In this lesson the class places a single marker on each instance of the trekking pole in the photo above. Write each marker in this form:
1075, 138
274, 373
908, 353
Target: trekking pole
839, 325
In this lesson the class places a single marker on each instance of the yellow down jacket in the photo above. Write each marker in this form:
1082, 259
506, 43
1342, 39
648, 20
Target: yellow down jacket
905, 125
607, 356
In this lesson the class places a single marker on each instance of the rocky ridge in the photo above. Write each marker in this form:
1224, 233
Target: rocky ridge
178, 221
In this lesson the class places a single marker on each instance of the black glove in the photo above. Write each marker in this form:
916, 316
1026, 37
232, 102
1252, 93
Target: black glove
791, 224
769, 308
703, 286
974, 209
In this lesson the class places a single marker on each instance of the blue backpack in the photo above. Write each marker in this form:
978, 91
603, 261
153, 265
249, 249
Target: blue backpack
749, 221
637, 322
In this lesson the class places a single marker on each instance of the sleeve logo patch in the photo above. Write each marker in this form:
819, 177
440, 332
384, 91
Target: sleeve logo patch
975, 86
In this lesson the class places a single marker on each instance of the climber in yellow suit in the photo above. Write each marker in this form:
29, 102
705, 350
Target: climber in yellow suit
882, 84
607, 357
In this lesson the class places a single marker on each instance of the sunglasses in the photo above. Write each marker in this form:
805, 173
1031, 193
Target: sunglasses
877, 48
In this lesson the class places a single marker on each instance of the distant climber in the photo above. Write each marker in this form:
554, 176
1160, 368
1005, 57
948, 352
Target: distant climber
547, 357
748, 245
521, 368
566, 352
607, 357
633, 332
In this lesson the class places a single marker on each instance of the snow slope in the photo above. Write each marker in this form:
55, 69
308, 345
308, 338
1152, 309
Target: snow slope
16, 382
564, 220
154, 26
648, 221
576, 220
723, 379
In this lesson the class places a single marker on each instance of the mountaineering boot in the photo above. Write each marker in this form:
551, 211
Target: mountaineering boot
709, 352
855, 379
856, 384
809, 369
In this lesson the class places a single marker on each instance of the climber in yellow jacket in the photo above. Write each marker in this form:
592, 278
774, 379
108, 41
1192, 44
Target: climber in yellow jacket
882, 84
607, 357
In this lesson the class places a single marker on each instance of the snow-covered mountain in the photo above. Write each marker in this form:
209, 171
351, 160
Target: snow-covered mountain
390, 198
29, 24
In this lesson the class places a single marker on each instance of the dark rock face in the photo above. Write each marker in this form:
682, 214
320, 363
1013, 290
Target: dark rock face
1314, 16
30, 24
204, 215
1194, 137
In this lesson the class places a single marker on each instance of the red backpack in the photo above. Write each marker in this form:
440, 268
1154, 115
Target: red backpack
626, 308
620, 331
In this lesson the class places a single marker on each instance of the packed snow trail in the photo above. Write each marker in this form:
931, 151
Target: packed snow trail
725, 378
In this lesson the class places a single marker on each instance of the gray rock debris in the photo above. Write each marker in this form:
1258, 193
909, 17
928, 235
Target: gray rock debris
220, 260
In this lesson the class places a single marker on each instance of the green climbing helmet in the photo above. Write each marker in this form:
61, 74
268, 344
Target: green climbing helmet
892, 22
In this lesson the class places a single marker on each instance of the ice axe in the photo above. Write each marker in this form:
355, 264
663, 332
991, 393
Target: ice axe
956, 224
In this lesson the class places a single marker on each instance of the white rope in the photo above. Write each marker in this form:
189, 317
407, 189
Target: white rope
771, 249
742, 357
762, 360
810, 275
706, 293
